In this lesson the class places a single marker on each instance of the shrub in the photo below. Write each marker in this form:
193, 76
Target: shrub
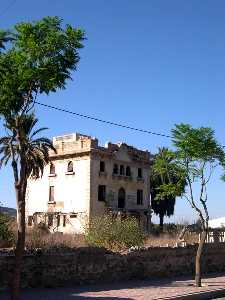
35, 236
113, 233
6, 234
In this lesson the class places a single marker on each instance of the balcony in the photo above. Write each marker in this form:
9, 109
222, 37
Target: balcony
122, 177
102, 174
140, 179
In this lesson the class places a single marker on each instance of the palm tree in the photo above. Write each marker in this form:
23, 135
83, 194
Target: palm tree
166, 172
28, 156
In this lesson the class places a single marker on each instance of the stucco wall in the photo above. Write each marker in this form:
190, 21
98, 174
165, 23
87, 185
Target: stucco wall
114, 183
88, 265
71, 192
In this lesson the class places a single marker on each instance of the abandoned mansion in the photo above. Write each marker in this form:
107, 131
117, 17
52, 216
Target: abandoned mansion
85, 180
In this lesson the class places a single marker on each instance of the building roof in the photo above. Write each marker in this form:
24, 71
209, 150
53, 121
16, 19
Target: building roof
77, 144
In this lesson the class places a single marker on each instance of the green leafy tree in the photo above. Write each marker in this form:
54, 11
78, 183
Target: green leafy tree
38, 60
198, 154
6, 233
167, 183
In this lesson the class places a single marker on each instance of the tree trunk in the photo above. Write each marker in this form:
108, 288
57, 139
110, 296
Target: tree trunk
161, 222
20, 197
198, 259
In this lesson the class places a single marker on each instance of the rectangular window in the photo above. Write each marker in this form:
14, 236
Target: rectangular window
51, 194
139, 172
50, 220
102, 166
139, 197
73, 216
64, 221
101, 192
58, 220
30, 220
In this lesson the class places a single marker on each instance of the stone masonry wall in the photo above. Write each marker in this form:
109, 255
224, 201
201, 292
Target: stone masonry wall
90, 265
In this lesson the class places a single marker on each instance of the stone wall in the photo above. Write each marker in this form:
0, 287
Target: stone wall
90, 265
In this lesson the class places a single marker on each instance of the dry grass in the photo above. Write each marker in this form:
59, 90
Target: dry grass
169, 240
163, 240
40, 239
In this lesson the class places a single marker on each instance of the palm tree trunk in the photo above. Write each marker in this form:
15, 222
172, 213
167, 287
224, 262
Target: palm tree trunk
15, 292
161, 222
198, 259
21, 231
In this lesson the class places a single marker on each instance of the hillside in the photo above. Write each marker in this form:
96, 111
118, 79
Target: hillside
8, 210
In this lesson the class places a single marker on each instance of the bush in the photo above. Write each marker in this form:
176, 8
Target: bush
6, 234
35, 236
113, 233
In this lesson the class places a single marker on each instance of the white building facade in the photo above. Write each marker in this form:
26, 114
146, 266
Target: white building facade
85, 180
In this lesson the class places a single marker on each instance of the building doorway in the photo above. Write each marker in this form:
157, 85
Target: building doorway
121, 198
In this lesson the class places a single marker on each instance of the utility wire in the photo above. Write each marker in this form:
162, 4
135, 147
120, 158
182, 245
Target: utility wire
7, 8
102, 121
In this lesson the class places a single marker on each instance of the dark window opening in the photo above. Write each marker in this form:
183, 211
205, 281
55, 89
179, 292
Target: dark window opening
50, 220
128, 172
121, 198
115, 169
101, 192
102, 166
58, 220
30, 220
73, 216
64, 221
52, 168
121, 170
139, 197
70, 166
51, 194
139, 172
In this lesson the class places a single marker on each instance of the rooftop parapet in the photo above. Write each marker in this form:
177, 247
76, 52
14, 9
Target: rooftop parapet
74, 142
78, 143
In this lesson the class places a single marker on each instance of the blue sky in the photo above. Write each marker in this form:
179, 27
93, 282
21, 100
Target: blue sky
148, 64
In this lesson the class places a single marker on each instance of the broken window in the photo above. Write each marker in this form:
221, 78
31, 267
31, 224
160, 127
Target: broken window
115, 169
121, 170
102, 166
50, 220
128, 172
51, 194
139, 197
30, 220
52, 169
101, 192
64, 220
139, 172
58, 220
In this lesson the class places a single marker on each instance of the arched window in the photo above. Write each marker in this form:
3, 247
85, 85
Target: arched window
121, 170
128, 172
52, 168
115, 169
70, 166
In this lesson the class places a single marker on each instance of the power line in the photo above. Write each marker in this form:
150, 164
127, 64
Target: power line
7, 8
103, 121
